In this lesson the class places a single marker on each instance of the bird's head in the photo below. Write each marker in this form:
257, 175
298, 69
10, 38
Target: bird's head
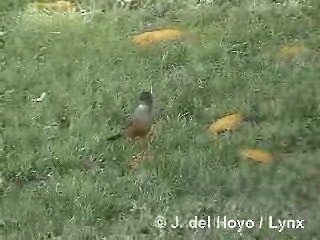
146, 98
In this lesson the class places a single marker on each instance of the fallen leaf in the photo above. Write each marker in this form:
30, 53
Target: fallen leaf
59, 6
1, 182
140, 158
158, 36
41, 98
290, 51
131, 4
257, 155
227, 123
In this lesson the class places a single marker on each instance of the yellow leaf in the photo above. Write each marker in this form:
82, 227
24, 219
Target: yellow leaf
290, 51
227, 123
257, 155
140, 158
158, 36
59, 6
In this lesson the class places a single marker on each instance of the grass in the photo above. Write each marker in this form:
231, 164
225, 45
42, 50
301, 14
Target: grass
92, 74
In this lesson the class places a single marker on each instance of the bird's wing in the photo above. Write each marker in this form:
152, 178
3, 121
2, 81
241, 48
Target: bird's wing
115, 137
128, 122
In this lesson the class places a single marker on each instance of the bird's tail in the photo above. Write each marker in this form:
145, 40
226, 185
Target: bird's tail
115, 137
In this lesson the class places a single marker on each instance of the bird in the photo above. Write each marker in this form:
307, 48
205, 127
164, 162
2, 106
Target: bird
139, 123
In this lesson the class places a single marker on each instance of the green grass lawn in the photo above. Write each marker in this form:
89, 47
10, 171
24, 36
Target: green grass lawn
61, 179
